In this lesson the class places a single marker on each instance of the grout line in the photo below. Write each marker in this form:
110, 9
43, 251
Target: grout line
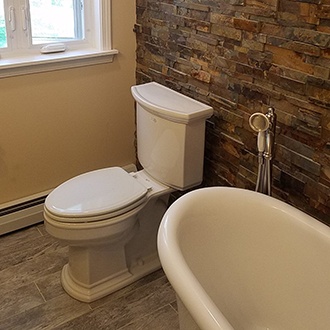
40, 291
41, 234
171, 304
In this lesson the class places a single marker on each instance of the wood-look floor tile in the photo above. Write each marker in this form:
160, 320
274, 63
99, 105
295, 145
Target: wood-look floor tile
164, 318
50, 286
16, 301
31, 270
31, 296
47, 315
125, 309
15, 239
28, 249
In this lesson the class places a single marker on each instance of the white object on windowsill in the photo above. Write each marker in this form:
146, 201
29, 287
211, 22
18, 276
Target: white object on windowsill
53, 48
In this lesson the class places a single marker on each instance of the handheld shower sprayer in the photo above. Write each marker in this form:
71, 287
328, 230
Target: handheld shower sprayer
260, 123
265, 125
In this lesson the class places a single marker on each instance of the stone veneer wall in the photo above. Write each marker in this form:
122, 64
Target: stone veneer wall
242, 56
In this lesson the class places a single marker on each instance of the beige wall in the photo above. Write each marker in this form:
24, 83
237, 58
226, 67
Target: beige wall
58, 124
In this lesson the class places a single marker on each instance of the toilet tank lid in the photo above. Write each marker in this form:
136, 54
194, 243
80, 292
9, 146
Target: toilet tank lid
169, 104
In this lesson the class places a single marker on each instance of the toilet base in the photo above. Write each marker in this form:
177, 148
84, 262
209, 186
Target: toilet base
86, 293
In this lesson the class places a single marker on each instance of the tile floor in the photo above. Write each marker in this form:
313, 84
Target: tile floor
31, 296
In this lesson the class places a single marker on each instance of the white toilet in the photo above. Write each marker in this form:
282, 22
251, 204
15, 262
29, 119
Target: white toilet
109, 217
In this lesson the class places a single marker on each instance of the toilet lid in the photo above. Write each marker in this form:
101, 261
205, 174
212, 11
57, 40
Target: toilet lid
95, 193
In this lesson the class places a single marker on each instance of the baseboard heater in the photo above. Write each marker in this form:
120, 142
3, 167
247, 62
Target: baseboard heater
21, 213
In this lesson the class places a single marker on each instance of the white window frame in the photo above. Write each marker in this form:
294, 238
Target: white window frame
96, 48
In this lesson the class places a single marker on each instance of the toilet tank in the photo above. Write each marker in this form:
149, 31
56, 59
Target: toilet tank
170, 135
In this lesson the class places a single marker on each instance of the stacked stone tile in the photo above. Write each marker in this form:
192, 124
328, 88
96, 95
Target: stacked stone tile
242, 56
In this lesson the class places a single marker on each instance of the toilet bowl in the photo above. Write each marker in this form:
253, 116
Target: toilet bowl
109, 218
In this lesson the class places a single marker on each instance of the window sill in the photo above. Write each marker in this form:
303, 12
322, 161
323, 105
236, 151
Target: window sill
54, 61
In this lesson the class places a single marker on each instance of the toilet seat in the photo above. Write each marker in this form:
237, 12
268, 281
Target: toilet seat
95, 196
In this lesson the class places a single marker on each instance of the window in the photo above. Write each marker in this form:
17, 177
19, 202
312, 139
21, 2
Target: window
56, 20
53, 34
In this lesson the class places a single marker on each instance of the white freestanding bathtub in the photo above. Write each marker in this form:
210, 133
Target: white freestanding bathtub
238, 259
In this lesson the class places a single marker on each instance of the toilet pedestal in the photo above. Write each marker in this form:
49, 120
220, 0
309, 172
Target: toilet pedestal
94, 272
97, 282
100, 267
97, 269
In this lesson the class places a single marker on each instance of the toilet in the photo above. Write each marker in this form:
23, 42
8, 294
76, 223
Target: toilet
109, 217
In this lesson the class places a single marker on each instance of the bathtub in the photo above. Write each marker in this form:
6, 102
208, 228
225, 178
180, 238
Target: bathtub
238, 259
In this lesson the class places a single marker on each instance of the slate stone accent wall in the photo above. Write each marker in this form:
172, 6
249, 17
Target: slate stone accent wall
242, 56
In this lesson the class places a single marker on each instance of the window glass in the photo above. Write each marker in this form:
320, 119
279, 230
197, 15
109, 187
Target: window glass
55, 20
3, 36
